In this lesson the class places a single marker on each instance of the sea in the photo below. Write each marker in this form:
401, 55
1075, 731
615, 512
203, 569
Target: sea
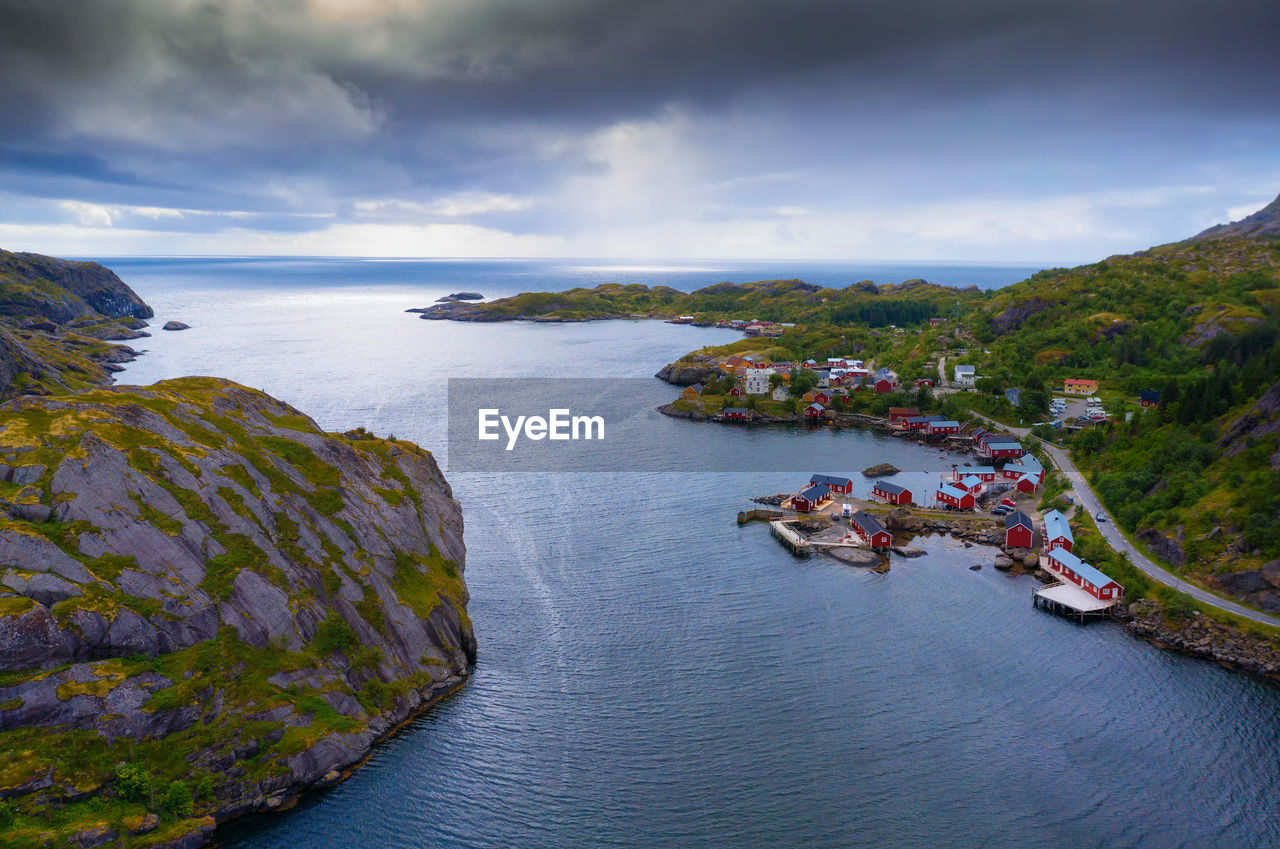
652, 674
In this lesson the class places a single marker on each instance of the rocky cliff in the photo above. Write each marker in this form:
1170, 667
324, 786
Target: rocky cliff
199, 584
57, 322
207, 605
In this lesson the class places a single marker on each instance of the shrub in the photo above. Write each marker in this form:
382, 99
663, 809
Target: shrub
178, 801
133, 782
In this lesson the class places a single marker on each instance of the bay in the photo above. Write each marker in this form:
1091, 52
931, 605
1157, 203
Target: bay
651, 674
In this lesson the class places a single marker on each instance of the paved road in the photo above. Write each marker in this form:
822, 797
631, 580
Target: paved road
1085, 495
942, 371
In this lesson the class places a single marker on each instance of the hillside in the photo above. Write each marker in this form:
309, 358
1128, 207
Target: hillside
207, 604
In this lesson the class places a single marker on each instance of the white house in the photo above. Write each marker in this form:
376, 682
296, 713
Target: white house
756, 381
965, 376
780, 392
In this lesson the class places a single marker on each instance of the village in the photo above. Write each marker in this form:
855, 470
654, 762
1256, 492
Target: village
825, 516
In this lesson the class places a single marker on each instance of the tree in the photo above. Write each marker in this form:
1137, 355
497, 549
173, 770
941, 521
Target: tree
804, 380
775, 380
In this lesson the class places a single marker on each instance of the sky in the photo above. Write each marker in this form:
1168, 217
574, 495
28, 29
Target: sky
983, 130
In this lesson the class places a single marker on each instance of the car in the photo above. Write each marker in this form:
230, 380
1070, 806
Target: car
1101, 517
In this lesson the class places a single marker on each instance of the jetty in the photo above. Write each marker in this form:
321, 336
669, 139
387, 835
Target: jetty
1064, 599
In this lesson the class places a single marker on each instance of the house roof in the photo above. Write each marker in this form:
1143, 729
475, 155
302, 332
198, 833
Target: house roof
815, 493
1080, 382
964, 369
970, 480
742, 410
891, 488
867, 522
945, 423
948, 489
816, 406
982, 470
1018, 518
1084, 570
697, 387
1003, 446
1149, 395
1056, 526
830, 480
919, 419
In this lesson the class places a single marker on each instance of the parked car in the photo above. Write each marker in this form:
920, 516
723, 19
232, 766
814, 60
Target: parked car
1101, 517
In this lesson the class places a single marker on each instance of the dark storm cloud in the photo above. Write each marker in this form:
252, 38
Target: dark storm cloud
276, 105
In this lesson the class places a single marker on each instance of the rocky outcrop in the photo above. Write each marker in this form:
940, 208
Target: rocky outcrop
61, 290
1014, 316
175, 325
57, 319
1258, 587
215, 579
1204, 637
1167, 548
1263, 223
1261, 423
461, 296
686, 373
880, 470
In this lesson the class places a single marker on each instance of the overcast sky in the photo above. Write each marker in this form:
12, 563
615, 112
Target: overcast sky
1014, 130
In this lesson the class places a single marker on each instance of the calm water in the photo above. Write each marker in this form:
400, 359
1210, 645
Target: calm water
653, 675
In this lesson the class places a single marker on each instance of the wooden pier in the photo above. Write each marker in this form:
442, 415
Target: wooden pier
759, 514
1063, 599
791, 538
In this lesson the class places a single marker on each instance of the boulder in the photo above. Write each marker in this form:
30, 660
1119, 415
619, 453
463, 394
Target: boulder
857, 557
1003, 563
880, 470
900, 519
906, 551
175, 325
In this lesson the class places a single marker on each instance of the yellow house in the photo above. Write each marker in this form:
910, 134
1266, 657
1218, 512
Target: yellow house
692, 393
1079, 387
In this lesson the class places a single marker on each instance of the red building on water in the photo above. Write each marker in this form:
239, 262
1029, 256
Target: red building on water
837, 485
868, 527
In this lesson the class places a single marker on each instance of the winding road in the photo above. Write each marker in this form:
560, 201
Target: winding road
1085, 496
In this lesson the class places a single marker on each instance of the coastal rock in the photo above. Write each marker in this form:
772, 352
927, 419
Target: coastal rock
880, 470
1258, 587
899, 519
225, 554
461, 296
905, 551
1003, 562
175, 325
1204, 637
977, 567
857, 557
684, 373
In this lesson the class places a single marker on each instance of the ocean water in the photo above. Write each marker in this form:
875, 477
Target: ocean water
651, 674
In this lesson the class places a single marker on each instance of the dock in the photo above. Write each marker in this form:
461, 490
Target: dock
1064, 599
790, 537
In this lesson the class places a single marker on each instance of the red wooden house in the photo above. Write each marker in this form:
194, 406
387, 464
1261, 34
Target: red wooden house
868, 527
737, 414
811, 498
896, 413
1149, 398
814, 411
892, 493
884, 385
995, 449
970, 483
941, 427
949, 496
1019, 532
1088, 578
838, 485
735, 391
1027, 483
1057, 531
